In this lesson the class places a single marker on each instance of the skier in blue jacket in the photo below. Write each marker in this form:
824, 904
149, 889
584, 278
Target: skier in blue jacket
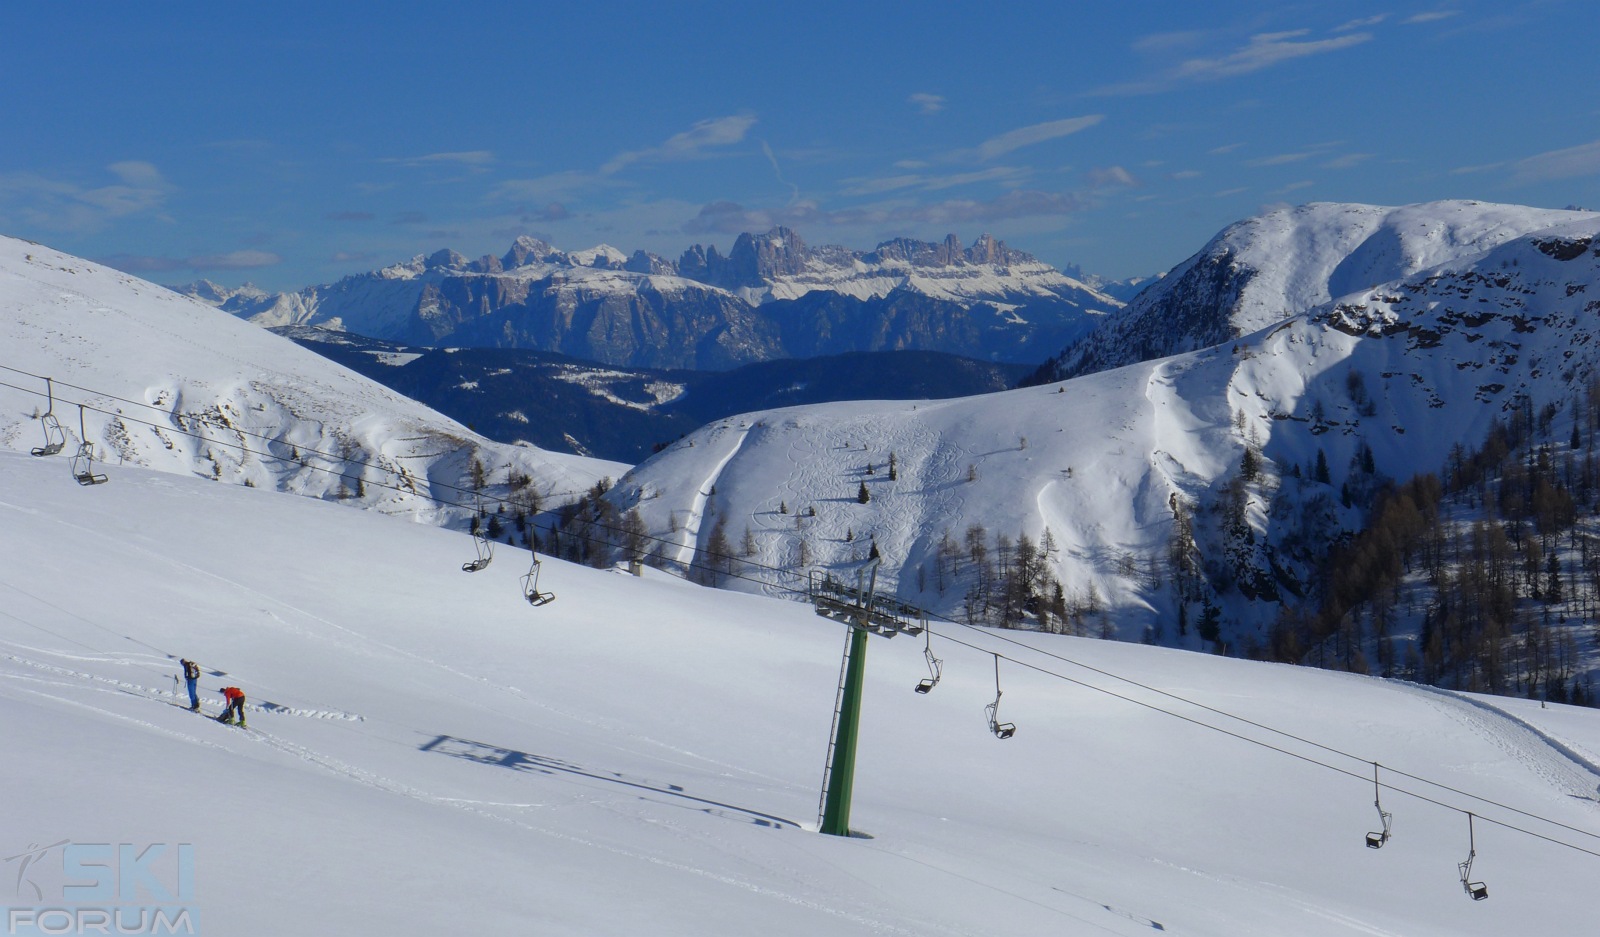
191, 677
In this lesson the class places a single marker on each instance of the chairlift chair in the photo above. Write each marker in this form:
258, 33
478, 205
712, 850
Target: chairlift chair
530, 586
55, 438
935, 665
1001, 730
83, 461
1377, 839
1476, 890
485, 548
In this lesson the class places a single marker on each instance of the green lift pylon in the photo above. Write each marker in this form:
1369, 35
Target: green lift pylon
842, 773
865, 612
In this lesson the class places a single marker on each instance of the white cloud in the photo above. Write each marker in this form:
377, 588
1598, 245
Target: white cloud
690, 144
1361, 23
1262, 51
1037, 133
925, 183
1278, 160
1569, 163
1184, 174
1100, 177
1430, 17
469, 158
1346, 161
1292, 187
1224, 149
69, 206
927, 103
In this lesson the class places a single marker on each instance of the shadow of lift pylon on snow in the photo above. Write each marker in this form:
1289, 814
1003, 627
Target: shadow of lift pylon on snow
486, 754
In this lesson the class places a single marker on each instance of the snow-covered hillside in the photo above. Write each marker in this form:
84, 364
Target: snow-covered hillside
171, 384
426, 754
1108, 466
1264, 269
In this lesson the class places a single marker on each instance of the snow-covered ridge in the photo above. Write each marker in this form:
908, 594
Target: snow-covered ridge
177, 386
1264, 269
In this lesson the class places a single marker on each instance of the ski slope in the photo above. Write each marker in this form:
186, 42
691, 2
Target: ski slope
169, 383
427, 754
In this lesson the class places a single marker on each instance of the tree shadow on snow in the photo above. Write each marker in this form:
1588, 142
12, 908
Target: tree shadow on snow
486, 754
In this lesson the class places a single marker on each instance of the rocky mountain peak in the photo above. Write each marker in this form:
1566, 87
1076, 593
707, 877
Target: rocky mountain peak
525, 250
445, 260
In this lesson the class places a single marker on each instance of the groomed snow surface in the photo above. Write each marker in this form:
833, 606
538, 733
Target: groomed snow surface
429, 755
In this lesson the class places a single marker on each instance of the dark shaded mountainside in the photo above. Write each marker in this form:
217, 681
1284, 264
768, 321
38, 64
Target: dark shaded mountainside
772, 297
564, 404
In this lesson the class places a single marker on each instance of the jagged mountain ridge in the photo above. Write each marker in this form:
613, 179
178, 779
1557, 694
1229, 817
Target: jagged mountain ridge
1264, 269
704, 311
1398, 375
179, 387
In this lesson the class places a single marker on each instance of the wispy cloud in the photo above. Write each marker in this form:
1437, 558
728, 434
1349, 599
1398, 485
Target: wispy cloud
1569, 163
1361, 23
476, 159
927, 103
1347, 161
1027, 136
690, 144
234, 260
1184, 174
933, 183
794, 190
1263, 50
732, 218
70, 206
1219, 151
1277, 160
1429, 17
348, 216
1293, 187
1106, 176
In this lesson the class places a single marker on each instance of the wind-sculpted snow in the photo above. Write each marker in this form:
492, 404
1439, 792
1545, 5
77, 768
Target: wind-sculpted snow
1265, 269
171, 384
1103, 462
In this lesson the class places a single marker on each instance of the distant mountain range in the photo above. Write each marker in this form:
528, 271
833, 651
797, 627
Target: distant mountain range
771, 297
565, 404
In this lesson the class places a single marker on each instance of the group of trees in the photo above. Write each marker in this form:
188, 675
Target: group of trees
1496, 559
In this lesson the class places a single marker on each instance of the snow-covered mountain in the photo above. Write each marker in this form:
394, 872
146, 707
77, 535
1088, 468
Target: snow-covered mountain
772, 297
171, 384
1105, 473
1283, 262
427, 755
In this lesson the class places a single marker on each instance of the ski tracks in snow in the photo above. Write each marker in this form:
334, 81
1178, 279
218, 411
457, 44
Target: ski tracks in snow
702, 495
1546, 757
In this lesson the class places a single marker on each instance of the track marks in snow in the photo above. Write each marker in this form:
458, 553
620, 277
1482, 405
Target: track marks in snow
1561, 767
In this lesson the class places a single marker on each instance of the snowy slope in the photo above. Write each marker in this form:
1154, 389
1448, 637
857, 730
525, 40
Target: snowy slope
428, 755
1264, 269
172, 384
1409, 369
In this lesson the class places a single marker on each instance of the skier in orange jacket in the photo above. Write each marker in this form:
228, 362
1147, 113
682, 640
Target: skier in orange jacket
234, 699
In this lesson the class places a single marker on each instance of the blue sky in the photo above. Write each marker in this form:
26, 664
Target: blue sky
292, 143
